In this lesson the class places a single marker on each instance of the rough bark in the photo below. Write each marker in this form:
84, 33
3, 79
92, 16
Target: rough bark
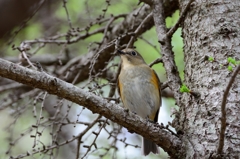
211, 29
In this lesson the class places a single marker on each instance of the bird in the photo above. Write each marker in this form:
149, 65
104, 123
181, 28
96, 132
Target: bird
140, 91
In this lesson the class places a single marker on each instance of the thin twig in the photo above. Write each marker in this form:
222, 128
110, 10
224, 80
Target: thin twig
164, 85
137, 31
23, 48
105, 37
223, 111
149, 43
10, 86
181, 18
79, 137
10, 101
94, 140
39, 121
66, 10
113, 87
158, 60
80, 37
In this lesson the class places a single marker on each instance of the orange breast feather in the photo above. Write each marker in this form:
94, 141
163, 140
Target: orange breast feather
120, 90
155, 80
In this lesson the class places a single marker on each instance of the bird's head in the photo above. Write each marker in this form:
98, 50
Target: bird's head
130, 57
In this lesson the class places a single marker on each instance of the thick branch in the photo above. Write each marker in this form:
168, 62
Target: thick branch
174, 81
96, 104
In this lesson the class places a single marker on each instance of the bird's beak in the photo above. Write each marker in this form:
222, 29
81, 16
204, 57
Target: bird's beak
120, 52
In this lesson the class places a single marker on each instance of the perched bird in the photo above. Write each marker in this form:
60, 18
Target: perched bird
139, 89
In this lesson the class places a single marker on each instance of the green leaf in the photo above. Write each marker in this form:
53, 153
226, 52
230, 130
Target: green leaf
230, 68
210, 58
184, 88
231, 60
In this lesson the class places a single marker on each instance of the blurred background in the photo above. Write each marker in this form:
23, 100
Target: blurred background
65, 38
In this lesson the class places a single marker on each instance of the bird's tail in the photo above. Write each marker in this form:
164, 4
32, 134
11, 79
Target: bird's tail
149, 146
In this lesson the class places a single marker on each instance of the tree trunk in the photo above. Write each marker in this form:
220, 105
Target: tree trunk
210, 29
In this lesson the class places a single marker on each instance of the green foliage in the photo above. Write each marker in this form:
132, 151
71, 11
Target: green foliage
184, 88
170, 21
230, 68
231, 60
232, 63
210, 58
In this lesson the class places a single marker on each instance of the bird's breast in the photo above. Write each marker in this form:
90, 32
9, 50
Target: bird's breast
138, 90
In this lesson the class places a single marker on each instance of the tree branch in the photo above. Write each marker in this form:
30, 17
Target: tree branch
174, 81
158, 60
47, 59
96, 104
223, 111
181, 18
138, 30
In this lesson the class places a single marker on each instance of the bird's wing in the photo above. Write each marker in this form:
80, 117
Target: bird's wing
160, 98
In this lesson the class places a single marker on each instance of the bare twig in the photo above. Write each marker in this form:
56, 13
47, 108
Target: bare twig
10, 86
158, 60
38, 121
107, 28
23, 55
223, 111
79, 137
96, 136
74, 40
139, 28
56, 145
164, 85
66, 10
47, 59
114, 80
181, 18
149, 43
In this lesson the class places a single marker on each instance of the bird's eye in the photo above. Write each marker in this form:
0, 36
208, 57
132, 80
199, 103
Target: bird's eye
133, 53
